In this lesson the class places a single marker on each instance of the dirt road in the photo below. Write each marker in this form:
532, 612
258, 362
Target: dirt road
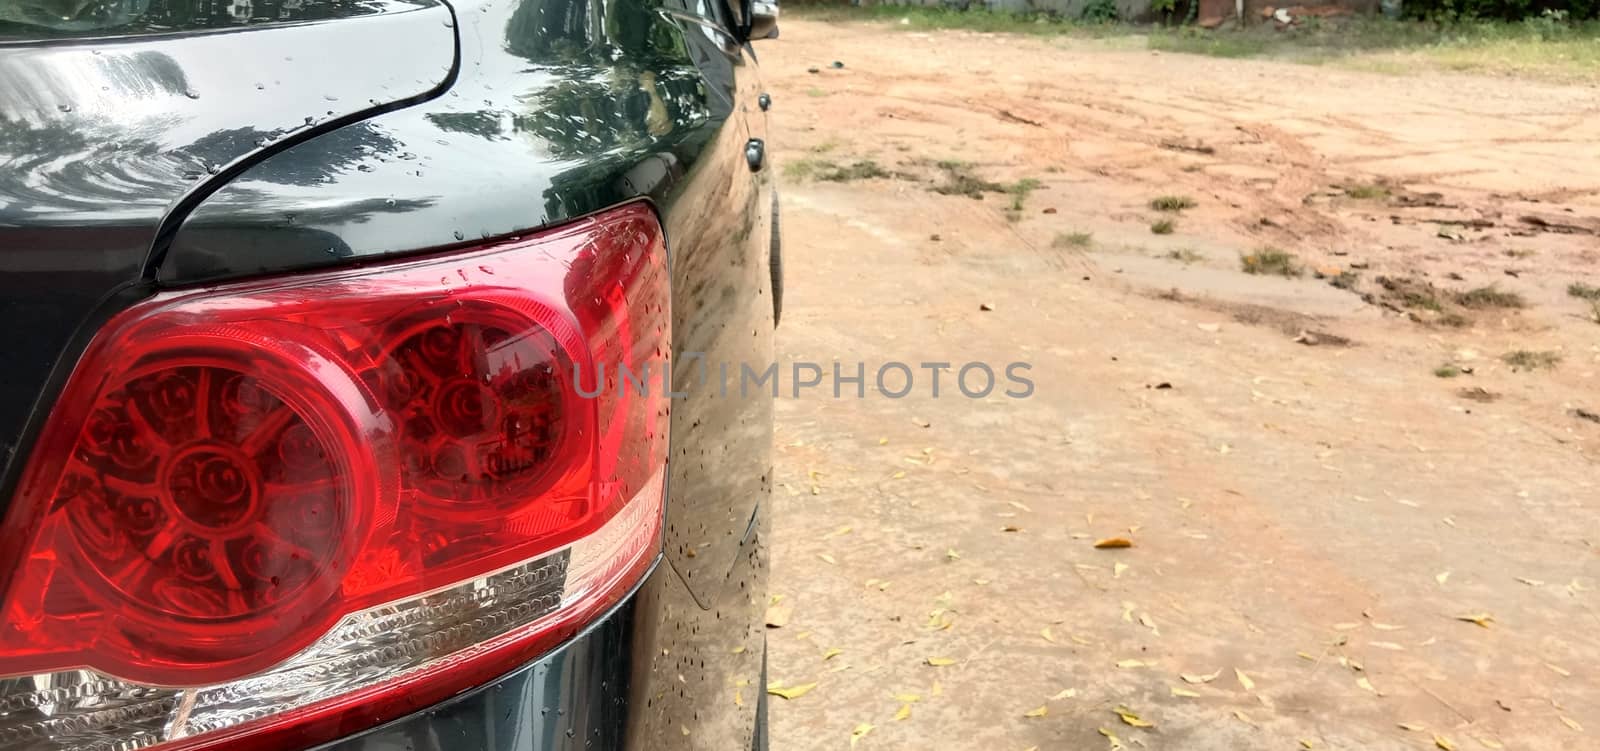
1354, 525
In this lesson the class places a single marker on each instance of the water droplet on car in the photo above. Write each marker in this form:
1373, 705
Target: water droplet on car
363, 168
191, 93
261, 87
213, 168
388, 201
449, 23
460, 235
65, 108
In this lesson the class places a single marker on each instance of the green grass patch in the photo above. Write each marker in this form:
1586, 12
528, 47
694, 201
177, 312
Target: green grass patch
1584, 291
1020, 190
1524, 359
1072, 240
1537, 48
1163, 227
1368, 192
1270, 261
916, 18
862, 170
1490, 297
960, 181
1447, 371
1172, 203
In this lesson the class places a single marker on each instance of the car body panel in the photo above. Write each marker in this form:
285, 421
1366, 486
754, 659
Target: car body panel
560, 110
103, 141
554, 109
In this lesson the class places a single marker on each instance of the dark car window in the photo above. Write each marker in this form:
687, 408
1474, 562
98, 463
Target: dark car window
22, 20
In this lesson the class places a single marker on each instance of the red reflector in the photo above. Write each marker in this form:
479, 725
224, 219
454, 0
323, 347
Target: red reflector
305, 494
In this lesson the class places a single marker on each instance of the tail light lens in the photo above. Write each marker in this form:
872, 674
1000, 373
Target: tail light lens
269, 514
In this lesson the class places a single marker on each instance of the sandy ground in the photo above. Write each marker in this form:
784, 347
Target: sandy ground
1315, 522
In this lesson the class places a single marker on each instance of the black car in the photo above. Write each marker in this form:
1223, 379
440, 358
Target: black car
353, 364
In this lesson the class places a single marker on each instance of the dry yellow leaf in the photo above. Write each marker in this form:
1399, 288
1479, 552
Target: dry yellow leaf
1110, 736
1198, 678
1010, 528
883, 441
738, 698
778, 614
828, 559
840, 532
901, 475
1244, 680
951, 554
1490, 743
1442, 577
1481, 619
1306, 743
1049, 637
1117, 569
937, 689
940, 662
908, 698
1066, 693
1244, 718
1386, 626
831, 653
1411, 726
1571, 723
1019, 505
1149, 623
792, 692
1307, 656
859, 732
1130, 663
1389, 645
1183, 692
1038, 711
1558, 670
1366, 684
1132, 719
1530, 582
1113, 542
903, 713
1443, 743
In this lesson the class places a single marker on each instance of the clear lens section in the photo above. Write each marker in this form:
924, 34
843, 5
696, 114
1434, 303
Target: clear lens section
376, 650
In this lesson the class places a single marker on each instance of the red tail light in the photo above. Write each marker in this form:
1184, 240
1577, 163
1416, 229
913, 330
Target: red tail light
296, 508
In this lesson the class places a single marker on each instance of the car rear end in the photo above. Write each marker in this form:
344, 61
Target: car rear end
340, 412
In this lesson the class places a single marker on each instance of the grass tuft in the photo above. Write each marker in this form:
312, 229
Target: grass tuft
1270, 261
1172, 203
1485, 298
1369, 192
1584, 292
1072, 240
1163, 227
1524, 359
862, 170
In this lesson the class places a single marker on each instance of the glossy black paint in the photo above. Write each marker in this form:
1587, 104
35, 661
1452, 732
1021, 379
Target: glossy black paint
562, 108
33, 20
102, 142
551, 109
